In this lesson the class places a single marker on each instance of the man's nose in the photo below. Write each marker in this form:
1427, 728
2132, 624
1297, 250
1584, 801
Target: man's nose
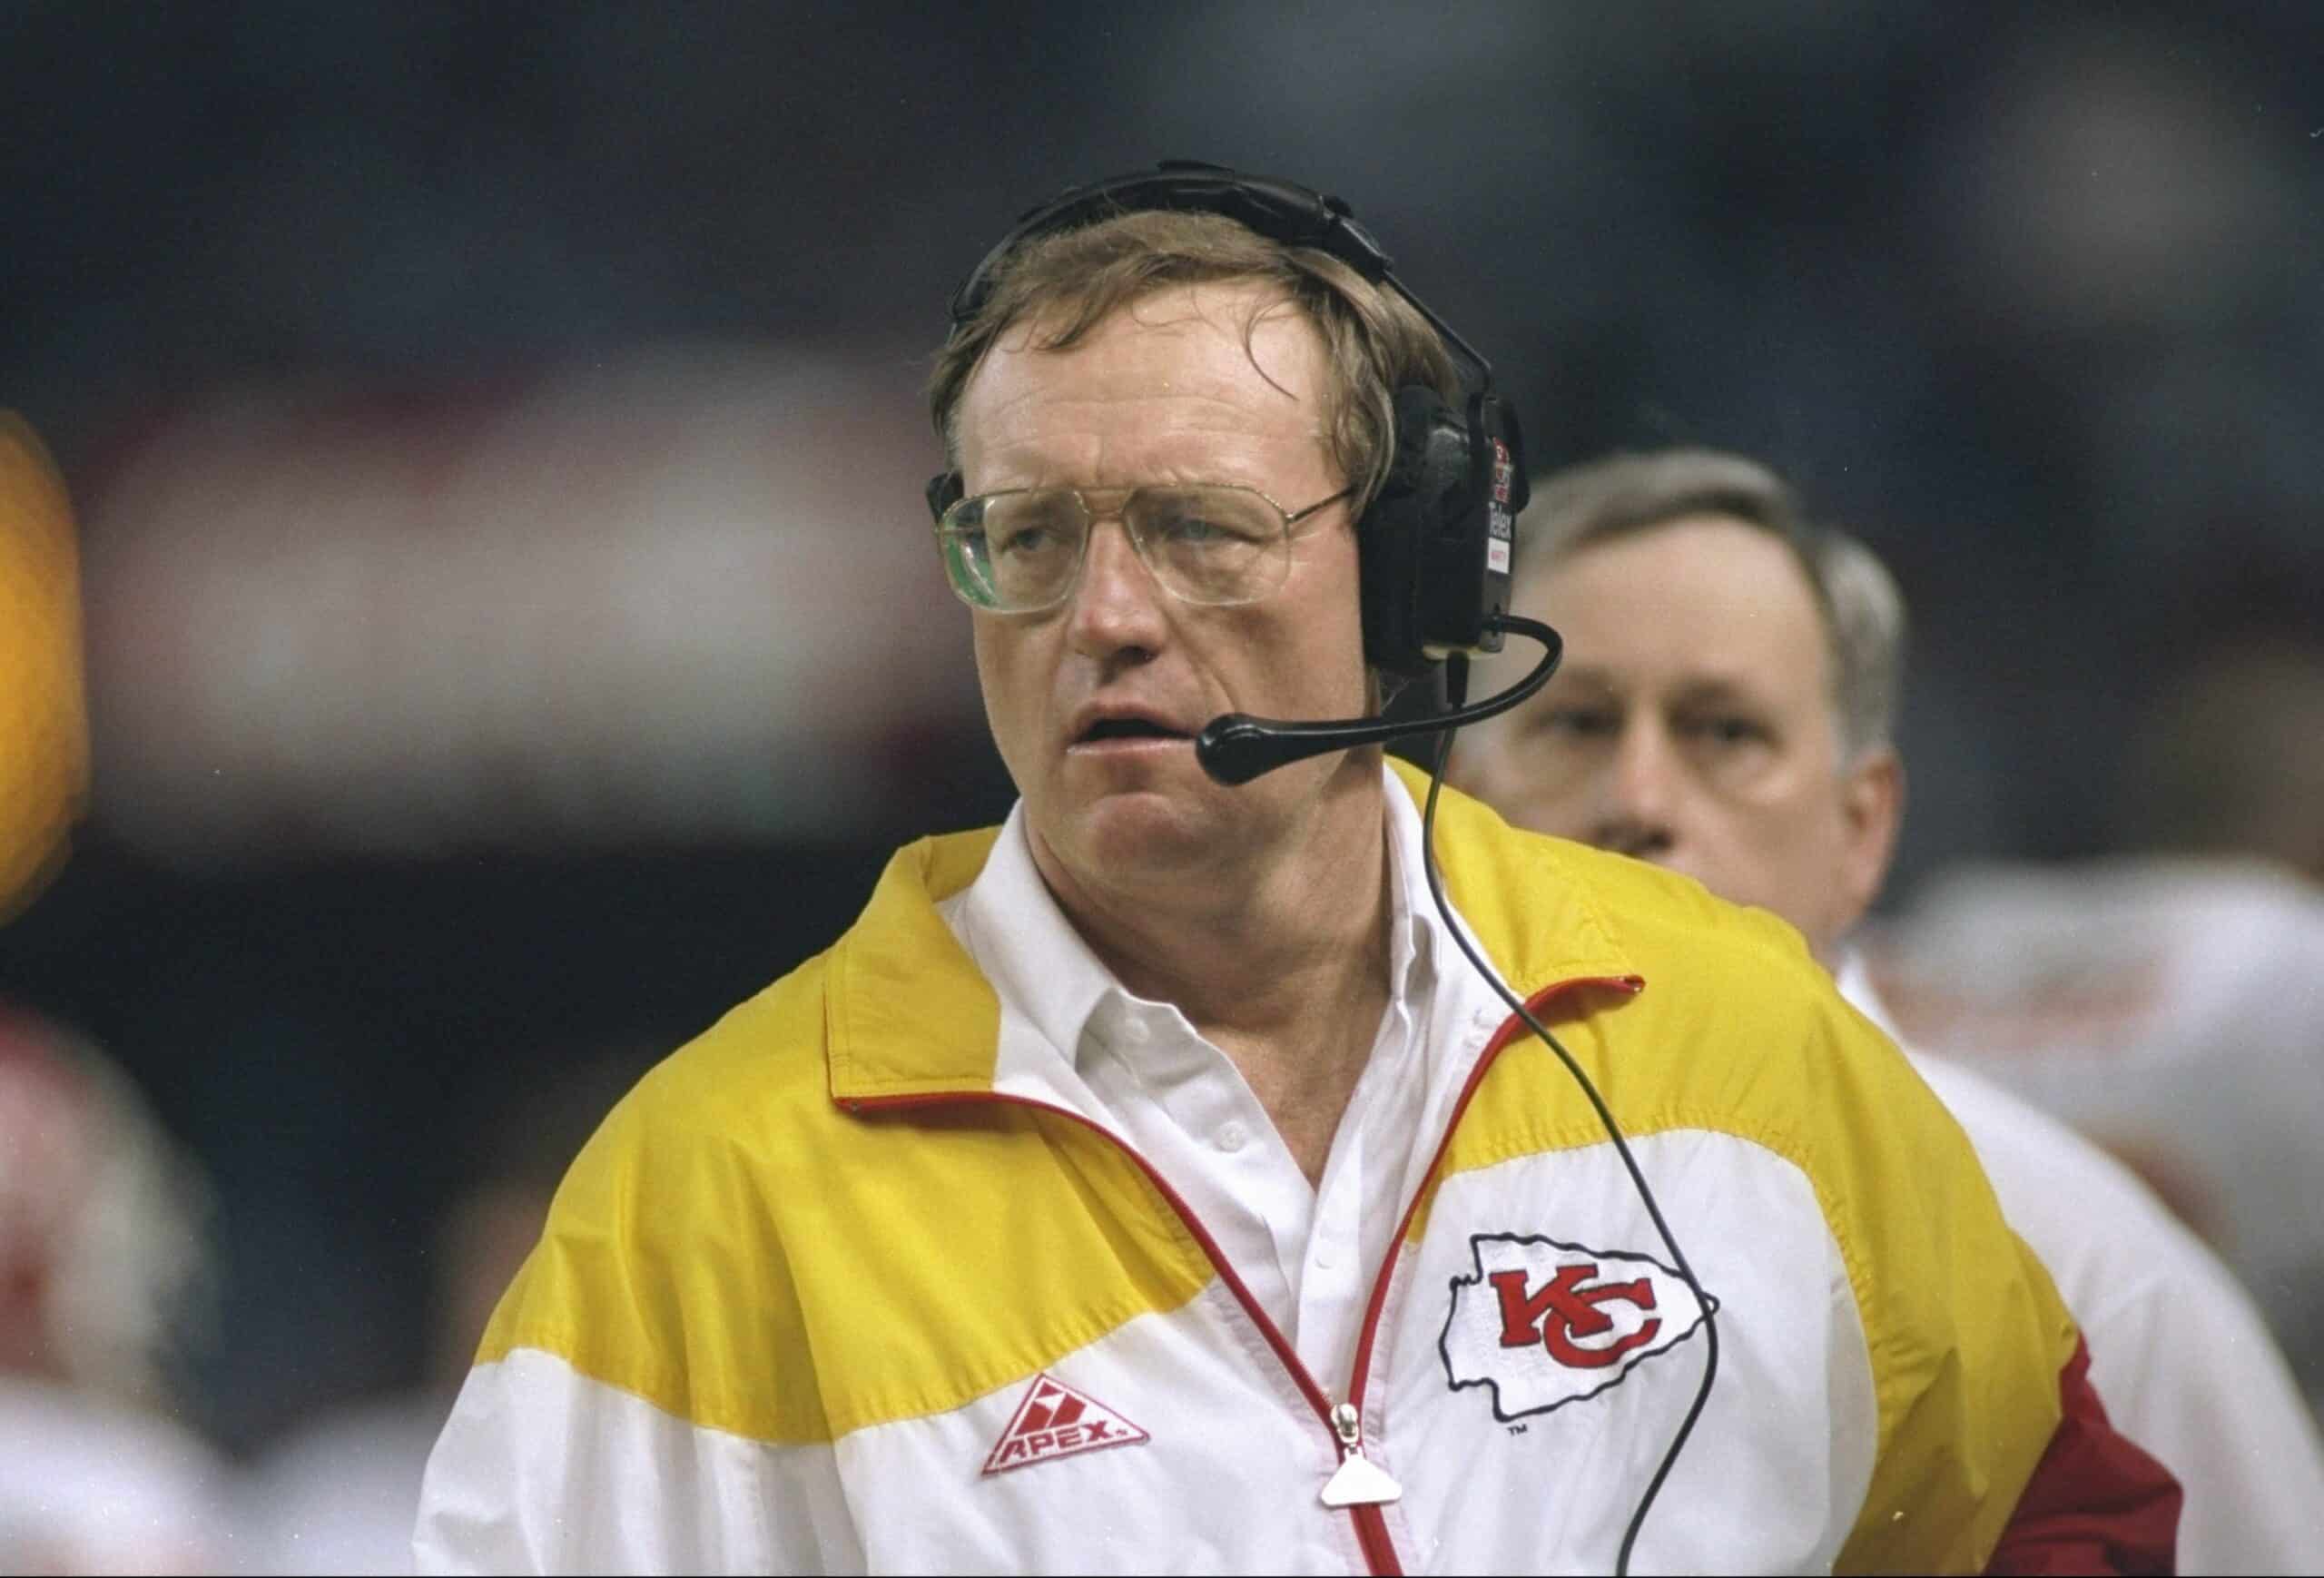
1638, 809
1117, 606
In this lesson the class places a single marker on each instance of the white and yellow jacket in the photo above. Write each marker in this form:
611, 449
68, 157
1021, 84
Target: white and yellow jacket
820, 1297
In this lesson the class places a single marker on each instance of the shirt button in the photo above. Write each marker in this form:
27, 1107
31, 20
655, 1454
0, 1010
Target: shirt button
1323, 1257
1134, 1032
1232, 1136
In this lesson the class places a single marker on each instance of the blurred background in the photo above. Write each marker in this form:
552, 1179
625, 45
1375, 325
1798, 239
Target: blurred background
510, 632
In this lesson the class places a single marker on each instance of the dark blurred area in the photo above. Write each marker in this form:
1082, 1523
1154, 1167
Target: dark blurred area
495, 441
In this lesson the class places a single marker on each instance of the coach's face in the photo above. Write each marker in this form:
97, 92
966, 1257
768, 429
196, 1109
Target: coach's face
1692, 726
1179, 388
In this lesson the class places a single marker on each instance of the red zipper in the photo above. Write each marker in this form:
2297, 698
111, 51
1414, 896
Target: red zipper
1371, 1527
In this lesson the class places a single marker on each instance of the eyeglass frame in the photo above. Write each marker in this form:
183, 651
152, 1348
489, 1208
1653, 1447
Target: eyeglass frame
1096, 518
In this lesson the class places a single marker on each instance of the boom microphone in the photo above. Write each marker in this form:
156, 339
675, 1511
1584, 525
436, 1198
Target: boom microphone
1238, 747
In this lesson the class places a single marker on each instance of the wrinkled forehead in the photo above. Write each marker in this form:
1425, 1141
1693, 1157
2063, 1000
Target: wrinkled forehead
1169, 380
1208, 337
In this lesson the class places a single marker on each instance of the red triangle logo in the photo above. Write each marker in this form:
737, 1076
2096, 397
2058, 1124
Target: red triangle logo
1056, 1421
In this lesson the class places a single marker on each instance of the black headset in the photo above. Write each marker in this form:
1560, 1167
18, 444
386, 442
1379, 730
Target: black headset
1434, 545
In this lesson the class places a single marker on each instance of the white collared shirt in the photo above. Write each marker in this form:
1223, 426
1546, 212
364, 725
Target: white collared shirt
1072, 1035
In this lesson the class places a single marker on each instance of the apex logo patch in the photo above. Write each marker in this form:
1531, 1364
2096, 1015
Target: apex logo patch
1544, 1323
1056, 1421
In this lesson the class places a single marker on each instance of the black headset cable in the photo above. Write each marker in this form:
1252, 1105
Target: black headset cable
1456, 685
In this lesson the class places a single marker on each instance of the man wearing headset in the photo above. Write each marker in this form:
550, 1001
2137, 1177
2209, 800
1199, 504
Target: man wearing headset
1729, 715
1151, 1183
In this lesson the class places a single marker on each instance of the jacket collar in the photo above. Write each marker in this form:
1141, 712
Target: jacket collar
908, 1017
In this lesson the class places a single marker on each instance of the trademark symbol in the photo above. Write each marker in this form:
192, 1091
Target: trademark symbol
1518, 1429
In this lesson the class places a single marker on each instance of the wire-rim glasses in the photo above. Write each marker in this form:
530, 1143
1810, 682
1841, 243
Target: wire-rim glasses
1021, 550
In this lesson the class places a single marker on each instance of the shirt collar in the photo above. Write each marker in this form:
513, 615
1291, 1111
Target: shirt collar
1036, 961
912, 1014
1413, 924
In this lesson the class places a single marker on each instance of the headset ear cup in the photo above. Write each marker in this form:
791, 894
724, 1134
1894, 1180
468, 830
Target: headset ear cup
944, 490
1427, 487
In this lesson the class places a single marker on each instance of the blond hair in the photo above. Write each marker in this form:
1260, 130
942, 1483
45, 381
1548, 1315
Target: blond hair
1069, 281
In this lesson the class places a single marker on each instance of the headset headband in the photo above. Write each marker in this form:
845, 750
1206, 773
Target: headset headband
1278, 210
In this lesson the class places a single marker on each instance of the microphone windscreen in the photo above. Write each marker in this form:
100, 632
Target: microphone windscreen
1237, 748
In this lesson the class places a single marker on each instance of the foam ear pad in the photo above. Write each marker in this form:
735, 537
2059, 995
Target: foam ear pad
1425, 496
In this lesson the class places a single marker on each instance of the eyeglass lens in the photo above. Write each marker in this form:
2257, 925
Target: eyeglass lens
1207, 545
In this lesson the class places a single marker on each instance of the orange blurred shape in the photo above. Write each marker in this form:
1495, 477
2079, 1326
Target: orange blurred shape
44, 721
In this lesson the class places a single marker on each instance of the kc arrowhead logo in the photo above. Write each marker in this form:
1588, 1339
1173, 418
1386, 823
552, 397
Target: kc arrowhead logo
1056, 1421
1544, 1323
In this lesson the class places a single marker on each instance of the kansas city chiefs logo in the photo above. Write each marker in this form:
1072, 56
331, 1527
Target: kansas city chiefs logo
1544, 1323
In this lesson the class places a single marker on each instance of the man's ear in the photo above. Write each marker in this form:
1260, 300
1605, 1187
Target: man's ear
1872, 808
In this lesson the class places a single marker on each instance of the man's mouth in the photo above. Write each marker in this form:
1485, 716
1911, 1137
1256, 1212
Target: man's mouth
1109, 729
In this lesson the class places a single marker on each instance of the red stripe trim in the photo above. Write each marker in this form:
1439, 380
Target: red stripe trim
1372, 1533
2096, 1503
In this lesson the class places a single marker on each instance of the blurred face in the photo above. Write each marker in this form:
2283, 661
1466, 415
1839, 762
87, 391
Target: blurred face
1691, 725
1094, 705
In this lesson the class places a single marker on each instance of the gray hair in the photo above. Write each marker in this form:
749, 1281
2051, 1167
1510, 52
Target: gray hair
1857, 599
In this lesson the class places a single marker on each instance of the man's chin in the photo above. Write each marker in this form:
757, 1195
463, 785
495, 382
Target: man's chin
1156, 830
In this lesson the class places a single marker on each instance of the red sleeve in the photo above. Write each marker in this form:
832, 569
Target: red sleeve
2096, 1503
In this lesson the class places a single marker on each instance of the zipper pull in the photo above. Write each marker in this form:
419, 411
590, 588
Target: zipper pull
1358, 1481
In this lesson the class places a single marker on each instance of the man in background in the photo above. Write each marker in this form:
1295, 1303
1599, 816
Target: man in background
1725, 710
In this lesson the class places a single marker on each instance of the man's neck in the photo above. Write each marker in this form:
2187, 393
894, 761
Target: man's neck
1283, 965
